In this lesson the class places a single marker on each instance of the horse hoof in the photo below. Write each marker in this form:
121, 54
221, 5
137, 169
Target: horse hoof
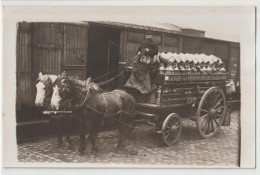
70, 147
133, 152
93, 154
81, 153
88, 139
58, 145
120, 148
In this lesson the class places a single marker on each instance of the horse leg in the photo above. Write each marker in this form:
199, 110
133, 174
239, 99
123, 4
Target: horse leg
122, 135
67, 130
95, 122
82, 131
125, 128
59, 132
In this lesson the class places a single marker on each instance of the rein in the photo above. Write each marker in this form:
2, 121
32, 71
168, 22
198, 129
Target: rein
113, 78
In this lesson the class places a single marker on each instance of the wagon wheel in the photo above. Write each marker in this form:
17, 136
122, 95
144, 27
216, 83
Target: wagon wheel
211, 112
171, 129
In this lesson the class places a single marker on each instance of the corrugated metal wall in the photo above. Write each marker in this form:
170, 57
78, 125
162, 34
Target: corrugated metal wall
24, 64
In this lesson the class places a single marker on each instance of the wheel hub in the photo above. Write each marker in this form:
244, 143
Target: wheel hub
173, 128
212, 113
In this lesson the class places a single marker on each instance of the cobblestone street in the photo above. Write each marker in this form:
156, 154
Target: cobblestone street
191, 150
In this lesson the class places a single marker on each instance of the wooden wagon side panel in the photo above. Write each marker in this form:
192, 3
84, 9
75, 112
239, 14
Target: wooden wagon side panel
24, 65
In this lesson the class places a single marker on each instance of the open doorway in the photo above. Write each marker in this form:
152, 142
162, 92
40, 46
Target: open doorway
103, 54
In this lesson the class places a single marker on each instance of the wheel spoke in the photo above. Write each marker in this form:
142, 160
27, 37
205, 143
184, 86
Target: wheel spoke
204, 116
203, 126
174, 120
208, 126
216, 122
167, 135
219, 115
204, 110
203, 120
210, 101
216, 99
172, 136
167, 131
207, 104
221, 107
212, 126
218, 103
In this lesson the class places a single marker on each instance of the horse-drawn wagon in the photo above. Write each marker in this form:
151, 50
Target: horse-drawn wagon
194, 89
185, 94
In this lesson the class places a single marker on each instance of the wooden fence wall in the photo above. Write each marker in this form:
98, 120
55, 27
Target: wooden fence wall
24, 67
49, 48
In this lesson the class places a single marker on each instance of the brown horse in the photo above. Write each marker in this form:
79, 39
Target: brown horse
44, 90
88, 99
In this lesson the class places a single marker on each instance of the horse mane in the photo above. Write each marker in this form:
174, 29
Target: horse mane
82, 86
47, 77
97, 88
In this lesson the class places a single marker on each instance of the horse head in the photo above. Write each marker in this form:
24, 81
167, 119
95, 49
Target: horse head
44, 89
62, 91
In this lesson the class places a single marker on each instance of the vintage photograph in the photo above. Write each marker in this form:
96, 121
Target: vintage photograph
131, 88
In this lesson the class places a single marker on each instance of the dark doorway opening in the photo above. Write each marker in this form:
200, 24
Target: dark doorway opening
103, 54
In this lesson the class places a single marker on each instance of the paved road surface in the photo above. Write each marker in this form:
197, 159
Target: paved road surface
191, 150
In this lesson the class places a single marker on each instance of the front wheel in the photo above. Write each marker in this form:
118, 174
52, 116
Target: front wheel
171, 129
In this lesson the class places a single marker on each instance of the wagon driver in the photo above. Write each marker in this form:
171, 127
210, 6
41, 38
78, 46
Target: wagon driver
140, 76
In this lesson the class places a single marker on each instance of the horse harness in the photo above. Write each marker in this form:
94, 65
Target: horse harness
107, 113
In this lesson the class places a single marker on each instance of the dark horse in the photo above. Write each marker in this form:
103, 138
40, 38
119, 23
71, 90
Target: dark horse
44, 84
89, 101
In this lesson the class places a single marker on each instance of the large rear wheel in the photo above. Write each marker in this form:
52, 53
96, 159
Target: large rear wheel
211, 112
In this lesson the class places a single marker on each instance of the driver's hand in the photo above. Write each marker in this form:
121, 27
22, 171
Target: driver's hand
146, 50
138, 53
